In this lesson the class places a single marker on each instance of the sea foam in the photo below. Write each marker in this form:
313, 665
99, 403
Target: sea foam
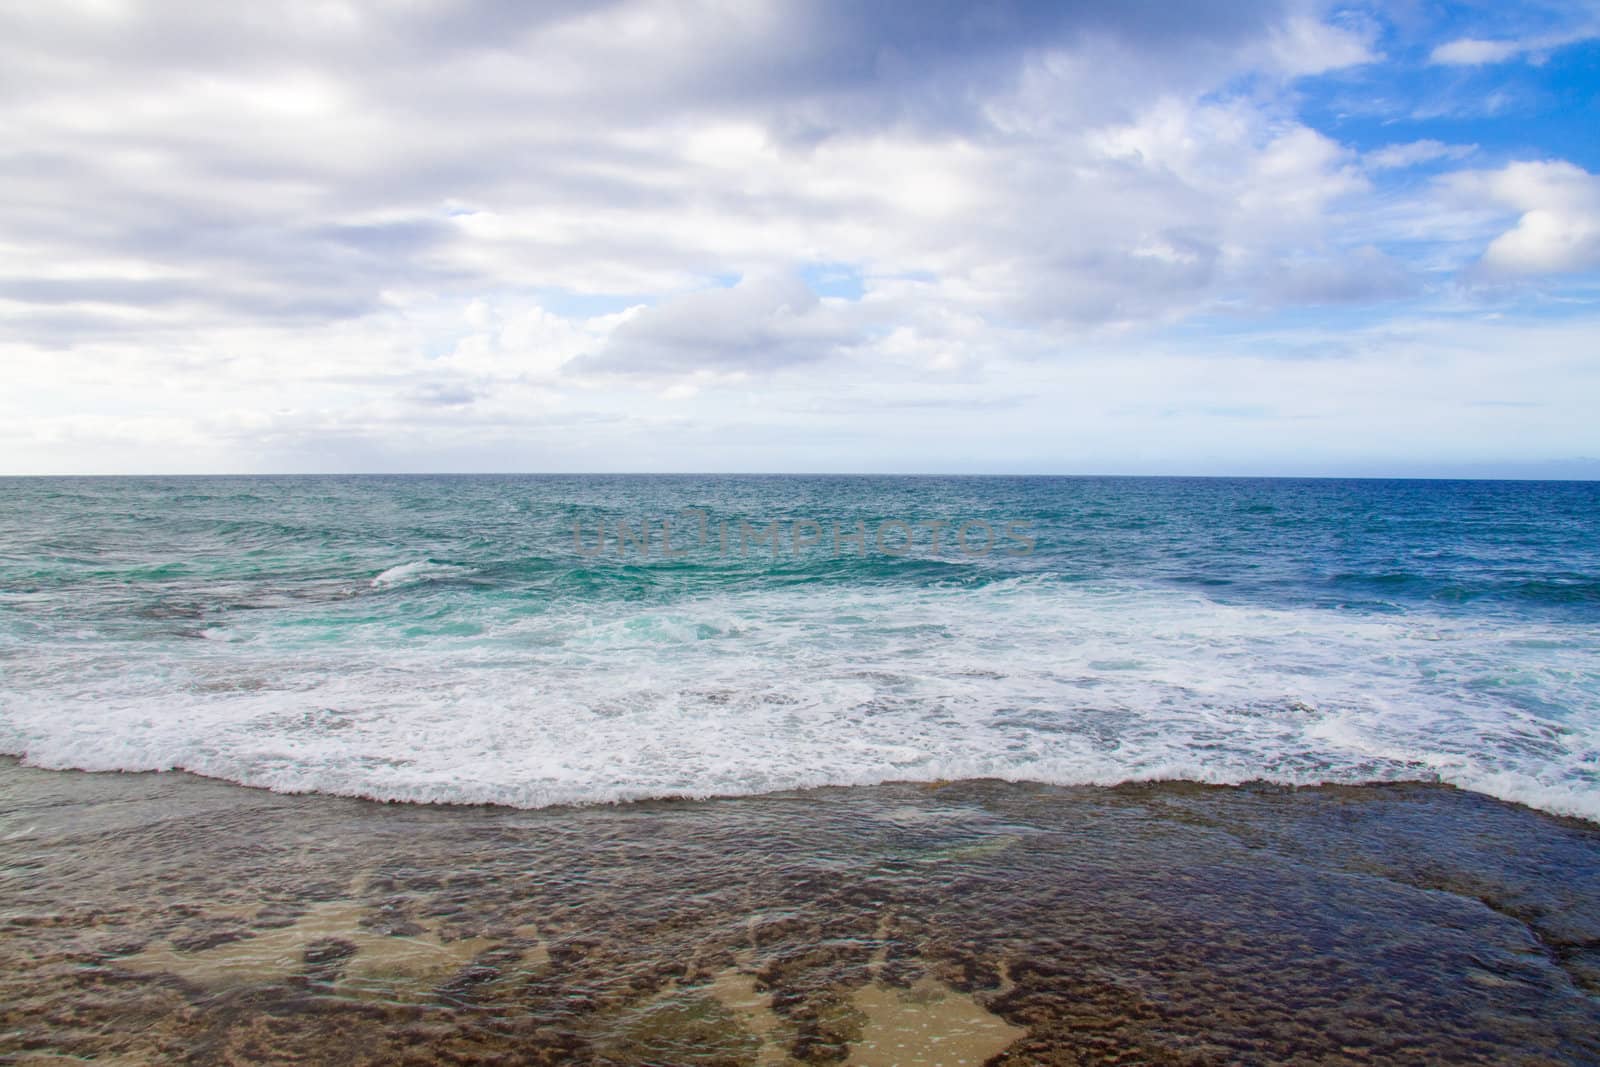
443, 639
746, 692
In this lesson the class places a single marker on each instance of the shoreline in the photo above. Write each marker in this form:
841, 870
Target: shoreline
166, 916
1129, 784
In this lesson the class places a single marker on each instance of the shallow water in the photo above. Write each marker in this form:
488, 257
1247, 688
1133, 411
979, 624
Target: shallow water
166, 918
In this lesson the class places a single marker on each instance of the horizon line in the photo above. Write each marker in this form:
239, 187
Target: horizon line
828, 474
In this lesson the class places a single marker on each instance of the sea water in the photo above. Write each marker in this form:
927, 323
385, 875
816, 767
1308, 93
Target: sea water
535, 640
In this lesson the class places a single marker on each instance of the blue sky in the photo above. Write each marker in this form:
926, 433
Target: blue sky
1255, 237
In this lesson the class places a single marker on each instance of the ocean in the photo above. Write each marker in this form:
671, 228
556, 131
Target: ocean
541, 640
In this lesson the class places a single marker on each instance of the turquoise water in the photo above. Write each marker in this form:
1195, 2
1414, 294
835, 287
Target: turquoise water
451, 639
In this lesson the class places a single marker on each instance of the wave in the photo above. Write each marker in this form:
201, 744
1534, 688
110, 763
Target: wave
1566, 801
422, 570
483, 699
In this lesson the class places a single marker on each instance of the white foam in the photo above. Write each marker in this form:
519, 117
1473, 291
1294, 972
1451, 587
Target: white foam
752, 692
421, 570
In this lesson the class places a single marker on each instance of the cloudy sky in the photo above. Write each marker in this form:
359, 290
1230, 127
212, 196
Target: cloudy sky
1260, 236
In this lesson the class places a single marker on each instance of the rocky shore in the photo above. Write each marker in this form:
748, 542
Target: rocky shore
169, 918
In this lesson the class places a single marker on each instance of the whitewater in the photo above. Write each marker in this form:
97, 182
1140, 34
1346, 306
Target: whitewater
444, 640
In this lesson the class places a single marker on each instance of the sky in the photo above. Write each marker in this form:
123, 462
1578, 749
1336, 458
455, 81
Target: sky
1261, 237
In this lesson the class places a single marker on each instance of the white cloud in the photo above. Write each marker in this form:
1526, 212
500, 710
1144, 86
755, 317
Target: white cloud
1361, 276
1307, 45
361, 235
1308, 399
1414, 153
1468, 51
1474, 51
761, 323
1558, 217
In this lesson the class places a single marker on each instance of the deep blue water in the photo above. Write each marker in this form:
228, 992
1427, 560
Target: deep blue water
461, 638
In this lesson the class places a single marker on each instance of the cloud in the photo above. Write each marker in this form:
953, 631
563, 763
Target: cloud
1558, 223
1363, 276
762, 323
295, 163
1468, 51
364, 227
1414, 153
1305, 44
443, 394
1474, 51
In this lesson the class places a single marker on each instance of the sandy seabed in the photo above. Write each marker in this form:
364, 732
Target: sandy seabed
163, 918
